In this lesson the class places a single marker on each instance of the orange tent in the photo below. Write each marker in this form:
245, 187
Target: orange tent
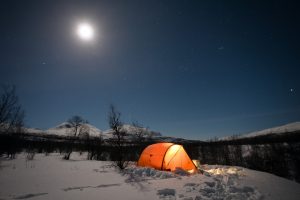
166, 156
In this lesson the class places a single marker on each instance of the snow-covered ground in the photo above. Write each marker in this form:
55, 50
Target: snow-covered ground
50, 177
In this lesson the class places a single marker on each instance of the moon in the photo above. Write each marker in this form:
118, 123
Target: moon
85, 31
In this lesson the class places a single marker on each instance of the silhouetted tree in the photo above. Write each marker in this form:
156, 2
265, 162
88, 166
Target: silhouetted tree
11, 112
11, 120
139, 132
118, 140
77, 128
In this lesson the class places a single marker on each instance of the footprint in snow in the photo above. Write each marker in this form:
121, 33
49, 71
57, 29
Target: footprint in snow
210, 184
85, 187
27, 196
100, 171
167, 194
189, 187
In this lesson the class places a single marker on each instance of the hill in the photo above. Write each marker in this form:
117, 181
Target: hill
279, 133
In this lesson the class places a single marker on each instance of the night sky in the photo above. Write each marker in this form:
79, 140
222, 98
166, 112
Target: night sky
191, 69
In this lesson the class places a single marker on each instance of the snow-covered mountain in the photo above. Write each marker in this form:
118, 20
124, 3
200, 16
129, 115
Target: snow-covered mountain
278, 130
131, 130
288, 128
65, 129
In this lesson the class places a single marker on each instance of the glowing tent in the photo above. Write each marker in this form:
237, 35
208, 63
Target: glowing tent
166, 156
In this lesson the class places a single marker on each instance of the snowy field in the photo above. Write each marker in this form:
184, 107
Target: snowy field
50, 177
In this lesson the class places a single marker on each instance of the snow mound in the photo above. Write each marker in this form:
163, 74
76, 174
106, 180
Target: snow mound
149, 172
223, 170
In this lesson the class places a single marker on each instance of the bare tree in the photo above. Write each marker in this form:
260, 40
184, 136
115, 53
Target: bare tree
118, 141
139, 132
77, 128
141, 137
11, 112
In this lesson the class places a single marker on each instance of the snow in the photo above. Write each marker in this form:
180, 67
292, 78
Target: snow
50, 177
292, 127
287, 128
273, 187
130, 130
63, 130
34, 130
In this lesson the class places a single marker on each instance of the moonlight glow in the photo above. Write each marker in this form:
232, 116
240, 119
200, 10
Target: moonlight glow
85, 31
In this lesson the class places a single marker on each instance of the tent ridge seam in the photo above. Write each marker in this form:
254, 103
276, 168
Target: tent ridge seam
163, 158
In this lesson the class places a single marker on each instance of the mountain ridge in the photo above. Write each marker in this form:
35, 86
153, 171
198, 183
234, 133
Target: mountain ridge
63, 129
293, 127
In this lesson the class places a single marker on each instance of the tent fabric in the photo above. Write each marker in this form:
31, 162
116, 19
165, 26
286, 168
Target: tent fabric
166, 156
